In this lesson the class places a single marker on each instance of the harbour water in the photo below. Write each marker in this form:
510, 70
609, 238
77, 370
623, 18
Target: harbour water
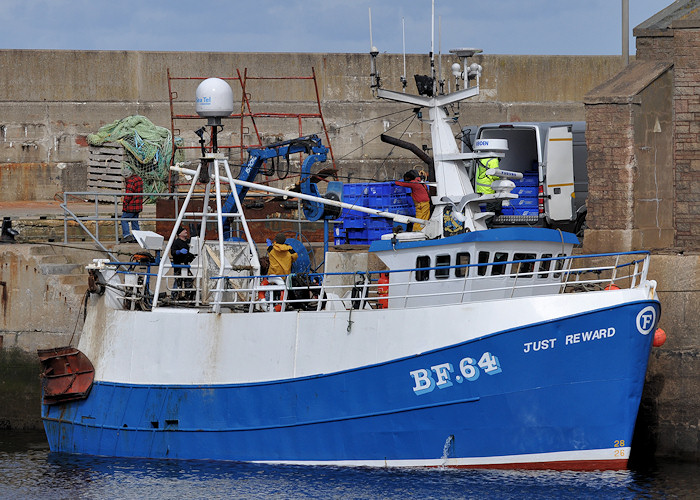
29, 470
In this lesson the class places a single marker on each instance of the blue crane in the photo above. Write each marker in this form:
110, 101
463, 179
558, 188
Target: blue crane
315, 151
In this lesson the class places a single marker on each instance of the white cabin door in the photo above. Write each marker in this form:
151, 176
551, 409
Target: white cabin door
559, 174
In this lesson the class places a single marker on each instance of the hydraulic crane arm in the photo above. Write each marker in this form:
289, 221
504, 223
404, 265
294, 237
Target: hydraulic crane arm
311, 145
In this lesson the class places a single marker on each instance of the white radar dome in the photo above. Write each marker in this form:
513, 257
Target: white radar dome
214, 98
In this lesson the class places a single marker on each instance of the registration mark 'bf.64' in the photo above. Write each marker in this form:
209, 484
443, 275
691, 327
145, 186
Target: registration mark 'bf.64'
426, 380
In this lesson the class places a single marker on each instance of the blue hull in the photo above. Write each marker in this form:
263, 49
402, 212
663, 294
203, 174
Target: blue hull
561, 387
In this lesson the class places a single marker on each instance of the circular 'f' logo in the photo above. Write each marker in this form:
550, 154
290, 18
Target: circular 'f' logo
646, 319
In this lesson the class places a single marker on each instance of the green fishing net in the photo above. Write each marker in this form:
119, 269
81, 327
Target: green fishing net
148, 148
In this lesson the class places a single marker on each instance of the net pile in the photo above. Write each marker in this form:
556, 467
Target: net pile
148, 149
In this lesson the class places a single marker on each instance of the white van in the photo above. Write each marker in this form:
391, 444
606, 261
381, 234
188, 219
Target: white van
552, 157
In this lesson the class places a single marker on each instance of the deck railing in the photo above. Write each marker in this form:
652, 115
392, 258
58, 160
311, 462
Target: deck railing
365, 290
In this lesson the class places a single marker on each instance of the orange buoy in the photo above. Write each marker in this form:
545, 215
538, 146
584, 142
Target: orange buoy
612, 286
659, 337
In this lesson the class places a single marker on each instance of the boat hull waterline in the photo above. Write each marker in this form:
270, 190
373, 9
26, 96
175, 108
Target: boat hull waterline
562, 393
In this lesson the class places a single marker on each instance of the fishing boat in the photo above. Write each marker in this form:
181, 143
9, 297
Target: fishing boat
462, 345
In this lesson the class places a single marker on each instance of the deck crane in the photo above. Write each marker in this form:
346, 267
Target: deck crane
316, 152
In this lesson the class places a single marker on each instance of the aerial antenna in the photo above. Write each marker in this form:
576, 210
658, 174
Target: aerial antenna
403, 34
441, 80
373, 52
432, 44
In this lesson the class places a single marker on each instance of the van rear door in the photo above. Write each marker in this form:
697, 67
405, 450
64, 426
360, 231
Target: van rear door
559, 174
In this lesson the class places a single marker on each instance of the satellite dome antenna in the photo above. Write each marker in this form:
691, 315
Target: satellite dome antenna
214, 102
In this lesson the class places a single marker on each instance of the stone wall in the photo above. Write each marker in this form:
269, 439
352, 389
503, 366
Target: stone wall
41, 290
686, 157
630, 142
668, 416
653, 188
20, 391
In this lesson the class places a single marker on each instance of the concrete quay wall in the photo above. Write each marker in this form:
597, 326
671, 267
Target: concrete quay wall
51, 100
668, 424
41, 294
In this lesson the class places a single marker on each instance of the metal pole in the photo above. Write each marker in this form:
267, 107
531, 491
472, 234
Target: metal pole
432, 43
220, 225
96, 240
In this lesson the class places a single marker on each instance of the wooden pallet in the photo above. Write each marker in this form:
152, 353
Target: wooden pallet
105, 170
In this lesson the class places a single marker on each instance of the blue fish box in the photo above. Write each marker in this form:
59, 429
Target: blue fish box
528, 180
520, 211
526, 191
524, 203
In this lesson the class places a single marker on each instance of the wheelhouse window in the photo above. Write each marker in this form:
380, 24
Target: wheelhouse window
499, 269
422, 274
463, 259
559, 265
523, 269
544, 266
442, 267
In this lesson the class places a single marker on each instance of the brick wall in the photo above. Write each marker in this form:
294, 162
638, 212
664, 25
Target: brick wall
655, 47
686, 106
612, 153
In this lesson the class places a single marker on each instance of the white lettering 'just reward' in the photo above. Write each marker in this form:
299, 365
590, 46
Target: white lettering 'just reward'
574, 338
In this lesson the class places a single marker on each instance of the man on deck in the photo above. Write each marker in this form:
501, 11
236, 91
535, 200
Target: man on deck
132, 205
419, 193
484, 181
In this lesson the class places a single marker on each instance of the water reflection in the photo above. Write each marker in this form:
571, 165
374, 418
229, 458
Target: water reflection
28, 470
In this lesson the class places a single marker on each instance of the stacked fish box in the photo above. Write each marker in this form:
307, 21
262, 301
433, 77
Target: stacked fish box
360, 228
527, 190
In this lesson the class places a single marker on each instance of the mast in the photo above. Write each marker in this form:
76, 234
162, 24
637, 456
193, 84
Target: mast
432, 44
403, 36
